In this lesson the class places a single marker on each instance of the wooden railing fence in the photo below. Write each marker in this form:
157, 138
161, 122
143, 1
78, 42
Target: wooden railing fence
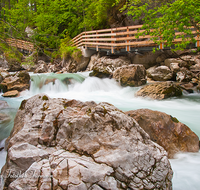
20, 44
115, 39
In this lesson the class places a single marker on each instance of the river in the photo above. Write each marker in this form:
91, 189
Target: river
186, 109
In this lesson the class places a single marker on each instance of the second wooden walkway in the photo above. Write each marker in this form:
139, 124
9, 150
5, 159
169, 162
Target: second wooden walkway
21, 44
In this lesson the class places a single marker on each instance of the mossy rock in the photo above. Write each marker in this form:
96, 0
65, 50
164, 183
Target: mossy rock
100, 73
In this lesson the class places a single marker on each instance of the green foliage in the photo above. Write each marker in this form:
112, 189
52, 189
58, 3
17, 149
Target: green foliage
11, 54
166, 17
96, 14
67, 50
50, 20
29, 60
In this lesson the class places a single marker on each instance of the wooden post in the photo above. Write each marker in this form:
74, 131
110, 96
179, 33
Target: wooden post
198, 41
97, 47
85, 38
161, 46
127, 47
112, 48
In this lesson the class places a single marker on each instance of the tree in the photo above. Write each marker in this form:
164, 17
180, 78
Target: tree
52, 20
167, 17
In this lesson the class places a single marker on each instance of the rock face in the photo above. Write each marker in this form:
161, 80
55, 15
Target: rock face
160, 90
18, 82
68, 144
147, 59
167, 131
161, 73
131, 75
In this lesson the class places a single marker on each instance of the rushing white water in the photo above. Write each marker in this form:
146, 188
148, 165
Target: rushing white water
186, 109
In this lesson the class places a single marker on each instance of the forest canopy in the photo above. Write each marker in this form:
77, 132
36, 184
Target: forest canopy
53, 20
167, 17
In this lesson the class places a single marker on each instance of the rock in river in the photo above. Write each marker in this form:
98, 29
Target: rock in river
131, 75
68, 144
18, 81
160, 90
167, 131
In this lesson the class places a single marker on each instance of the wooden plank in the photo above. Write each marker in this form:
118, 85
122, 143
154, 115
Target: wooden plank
118, 44
98, 39
115, 29
99, 35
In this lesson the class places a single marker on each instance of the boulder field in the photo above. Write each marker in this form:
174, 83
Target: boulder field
132, 69
69, 144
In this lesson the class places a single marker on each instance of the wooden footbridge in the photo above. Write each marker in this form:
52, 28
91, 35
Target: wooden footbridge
22, 45
122, 39
114, 40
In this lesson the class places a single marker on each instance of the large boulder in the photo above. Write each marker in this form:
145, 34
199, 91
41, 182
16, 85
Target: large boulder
42, 67
160, 90
181, 62
74, 145
160, 73
19, 81
131, 75
101, 72
110, 63
72, 65
174, 67
167, 131
184, 75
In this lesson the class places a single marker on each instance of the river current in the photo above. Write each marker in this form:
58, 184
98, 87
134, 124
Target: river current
186, 109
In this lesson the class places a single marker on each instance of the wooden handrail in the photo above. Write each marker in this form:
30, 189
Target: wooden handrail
122, 37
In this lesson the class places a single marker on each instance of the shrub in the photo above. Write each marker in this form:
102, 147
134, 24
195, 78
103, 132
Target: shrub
67, 49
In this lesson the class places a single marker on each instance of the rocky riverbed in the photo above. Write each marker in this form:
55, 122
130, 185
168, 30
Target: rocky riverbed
182, 68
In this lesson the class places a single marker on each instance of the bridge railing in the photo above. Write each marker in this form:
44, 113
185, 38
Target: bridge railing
115, 39
20, 44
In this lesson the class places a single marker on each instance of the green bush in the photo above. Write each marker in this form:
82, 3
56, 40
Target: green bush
67, 49
12, 55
